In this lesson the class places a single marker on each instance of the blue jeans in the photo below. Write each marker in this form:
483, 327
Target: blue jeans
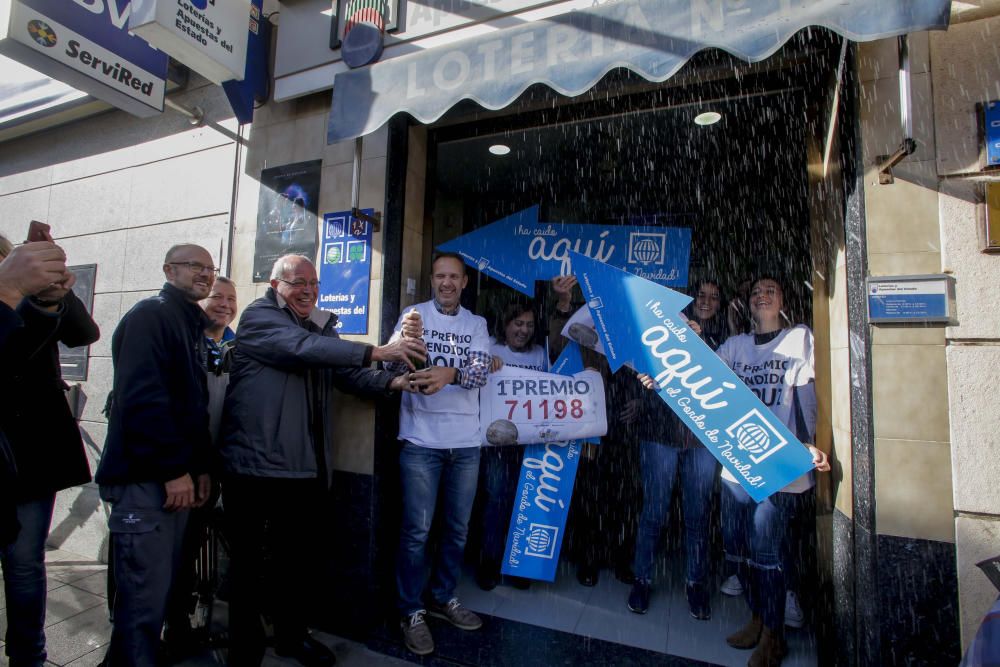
501, 467
660, 466
24, 583
424, 473
754, 535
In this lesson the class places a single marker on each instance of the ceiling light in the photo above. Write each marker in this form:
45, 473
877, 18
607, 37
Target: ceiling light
708, 118
499, 149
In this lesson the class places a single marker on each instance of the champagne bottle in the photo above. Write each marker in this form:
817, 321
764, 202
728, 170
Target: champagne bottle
418, 364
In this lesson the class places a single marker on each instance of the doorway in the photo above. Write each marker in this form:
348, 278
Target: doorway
740, 184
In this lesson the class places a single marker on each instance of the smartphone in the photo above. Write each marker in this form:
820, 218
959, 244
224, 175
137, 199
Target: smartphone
39, 231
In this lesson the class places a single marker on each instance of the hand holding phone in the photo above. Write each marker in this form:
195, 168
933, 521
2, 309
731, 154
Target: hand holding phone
39, 231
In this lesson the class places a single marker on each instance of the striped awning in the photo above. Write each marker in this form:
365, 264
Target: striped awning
572, 51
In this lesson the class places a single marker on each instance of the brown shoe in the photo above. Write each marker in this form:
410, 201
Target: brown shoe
770, 651
747, 636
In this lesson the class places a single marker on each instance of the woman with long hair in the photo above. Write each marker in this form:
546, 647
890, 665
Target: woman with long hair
513, 345
776, 363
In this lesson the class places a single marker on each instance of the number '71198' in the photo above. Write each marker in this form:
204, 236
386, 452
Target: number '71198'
545, 409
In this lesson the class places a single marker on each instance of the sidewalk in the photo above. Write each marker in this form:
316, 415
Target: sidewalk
77, 628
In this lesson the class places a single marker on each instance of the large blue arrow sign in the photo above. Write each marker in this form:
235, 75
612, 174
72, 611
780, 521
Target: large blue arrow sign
543, 497
641, 326
518, 250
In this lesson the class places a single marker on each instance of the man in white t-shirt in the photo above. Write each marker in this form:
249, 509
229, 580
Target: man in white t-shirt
439, 428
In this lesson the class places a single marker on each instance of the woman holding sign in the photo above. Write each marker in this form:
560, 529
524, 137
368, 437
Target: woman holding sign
514, 345
670, 454
776, 363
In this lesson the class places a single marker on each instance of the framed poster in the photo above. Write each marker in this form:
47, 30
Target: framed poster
75, 361
286, 215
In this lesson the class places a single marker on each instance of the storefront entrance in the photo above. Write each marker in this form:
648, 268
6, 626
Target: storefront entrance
633, 153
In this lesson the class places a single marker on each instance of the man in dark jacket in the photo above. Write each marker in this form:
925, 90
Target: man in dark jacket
46, 447
276, 463
156, 456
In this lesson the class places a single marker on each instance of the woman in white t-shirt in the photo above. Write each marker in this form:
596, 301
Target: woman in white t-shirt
514, 345
776, 363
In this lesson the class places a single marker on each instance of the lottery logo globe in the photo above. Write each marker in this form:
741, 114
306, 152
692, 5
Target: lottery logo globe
502, 432
42, 33
539, 540
753, 438
646, 250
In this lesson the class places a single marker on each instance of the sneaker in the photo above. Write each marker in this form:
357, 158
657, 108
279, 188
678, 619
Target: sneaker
794, 618
731, 586
638, 599
416, 634
456, 614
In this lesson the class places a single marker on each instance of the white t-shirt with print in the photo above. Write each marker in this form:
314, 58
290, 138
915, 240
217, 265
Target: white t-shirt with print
534, 357
450, 418
776, 371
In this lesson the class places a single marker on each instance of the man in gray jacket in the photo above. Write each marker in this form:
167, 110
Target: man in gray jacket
275, 460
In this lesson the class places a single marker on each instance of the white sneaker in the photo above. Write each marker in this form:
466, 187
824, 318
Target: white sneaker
731, 586
794, 618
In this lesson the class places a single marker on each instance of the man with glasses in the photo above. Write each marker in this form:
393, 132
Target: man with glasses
154, 468
220, 307
276, 460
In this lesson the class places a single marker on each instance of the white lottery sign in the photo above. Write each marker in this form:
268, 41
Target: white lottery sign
520, 406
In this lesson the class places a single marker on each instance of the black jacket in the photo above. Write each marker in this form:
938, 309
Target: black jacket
34, 413
158, 426
276, 417
10, 321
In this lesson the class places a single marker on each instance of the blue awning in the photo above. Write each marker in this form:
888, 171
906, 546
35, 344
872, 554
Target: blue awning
572, 51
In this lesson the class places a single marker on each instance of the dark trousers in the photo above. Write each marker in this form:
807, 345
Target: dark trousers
185, 587
24, 584
146, 548
695, 470
271, 524
606, 506
500, 468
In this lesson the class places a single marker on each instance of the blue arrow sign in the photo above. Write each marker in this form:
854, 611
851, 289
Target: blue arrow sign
543, 496
518, 250
641, 326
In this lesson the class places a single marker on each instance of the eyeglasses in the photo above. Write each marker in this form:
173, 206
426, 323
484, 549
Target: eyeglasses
299, 284
197, 267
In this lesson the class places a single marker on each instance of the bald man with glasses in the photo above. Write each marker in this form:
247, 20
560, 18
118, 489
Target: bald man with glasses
155, 464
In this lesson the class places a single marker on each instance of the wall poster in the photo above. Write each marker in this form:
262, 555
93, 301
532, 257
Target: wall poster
345, 267
286, 215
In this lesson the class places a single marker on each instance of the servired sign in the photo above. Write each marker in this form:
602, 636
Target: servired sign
86, 44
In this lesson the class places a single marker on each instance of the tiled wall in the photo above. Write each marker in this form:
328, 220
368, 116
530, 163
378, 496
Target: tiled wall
915, 603
910, 397
118, 192
965, 73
